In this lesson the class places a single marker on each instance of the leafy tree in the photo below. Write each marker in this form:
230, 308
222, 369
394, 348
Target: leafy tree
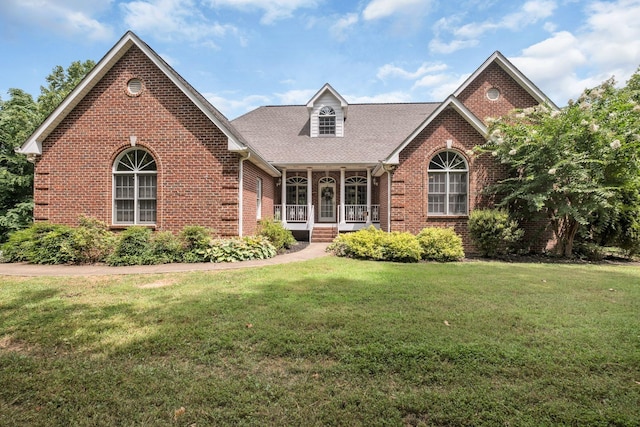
60, 83
19, 117
574, 164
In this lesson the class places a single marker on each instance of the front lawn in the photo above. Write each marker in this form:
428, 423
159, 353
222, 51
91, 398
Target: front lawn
326, 342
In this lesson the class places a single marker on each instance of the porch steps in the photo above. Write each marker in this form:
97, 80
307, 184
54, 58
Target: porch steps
324, 234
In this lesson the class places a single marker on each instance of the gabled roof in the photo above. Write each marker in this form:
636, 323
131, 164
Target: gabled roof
450, 102
327, 88
236, 143
499, 59
281, 133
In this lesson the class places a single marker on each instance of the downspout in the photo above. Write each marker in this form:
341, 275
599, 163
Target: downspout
243, 156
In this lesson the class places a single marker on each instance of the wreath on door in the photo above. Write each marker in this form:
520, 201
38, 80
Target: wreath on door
327, 193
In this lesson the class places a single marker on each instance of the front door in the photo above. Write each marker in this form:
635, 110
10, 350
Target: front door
327, 200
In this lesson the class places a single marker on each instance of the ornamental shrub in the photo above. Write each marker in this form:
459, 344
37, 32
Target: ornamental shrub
133, 247
239, 249
374, 244
440, 244
42, 243
195, 240
92, 241
493, 232
274, 231
165, 248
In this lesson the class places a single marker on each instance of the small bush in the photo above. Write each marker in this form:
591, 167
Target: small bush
195, 241
240, 249
42, 243
92, 241
132, 248
440, 244
379, 245
493, 232
165, 248
280, 237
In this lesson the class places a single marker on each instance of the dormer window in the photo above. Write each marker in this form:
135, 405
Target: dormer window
327, 121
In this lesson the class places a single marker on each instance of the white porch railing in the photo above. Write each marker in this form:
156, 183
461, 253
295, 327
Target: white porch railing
360, 213
352, 213
293, 213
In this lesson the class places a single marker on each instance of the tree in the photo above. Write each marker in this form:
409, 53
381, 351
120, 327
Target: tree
60, 84
574, 164
19, 117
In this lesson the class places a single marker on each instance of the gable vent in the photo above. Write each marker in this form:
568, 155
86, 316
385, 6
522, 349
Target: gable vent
134, 87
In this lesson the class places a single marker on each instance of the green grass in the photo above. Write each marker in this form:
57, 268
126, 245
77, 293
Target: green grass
326, 342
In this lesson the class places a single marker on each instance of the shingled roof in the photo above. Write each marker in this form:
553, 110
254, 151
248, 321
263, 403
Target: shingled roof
372, 131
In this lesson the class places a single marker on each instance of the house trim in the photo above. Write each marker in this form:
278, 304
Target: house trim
510, 69
450, 102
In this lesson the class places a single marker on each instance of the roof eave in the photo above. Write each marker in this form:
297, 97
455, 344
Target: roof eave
450, 102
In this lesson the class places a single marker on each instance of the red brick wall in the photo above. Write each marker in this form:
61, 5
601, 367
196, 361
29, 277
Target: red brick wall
409, 204
512, 95
250, 200
197, 175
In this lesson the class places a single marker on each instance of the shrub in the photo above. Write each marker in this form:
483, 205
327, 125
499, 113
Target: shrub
401, 247
195, 240
440, 244
42, 243
132, 248
280, 237
92, 241
493, 232
240, 249
375, 244
165, 248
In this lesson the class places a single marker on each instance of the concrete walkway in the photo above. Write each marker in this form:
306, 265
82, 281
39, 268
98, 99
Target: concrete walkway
313, 250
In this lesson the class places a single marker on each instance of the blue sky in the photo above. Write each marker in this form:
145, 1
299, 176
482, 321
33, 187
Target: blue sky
241, 54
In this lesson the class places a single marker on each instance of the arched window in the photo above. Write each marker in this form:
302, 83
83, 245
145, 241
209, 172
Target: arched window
448, 176
135, 188
297, 190
355, 189
327, 121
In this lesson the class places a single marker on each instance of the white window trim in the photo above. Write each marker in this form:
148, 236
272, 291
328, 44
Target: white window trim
136, 172
259, 198
447, 171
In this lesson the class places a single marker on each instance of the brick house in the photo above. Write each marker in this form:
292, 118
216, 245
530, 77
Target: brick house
135, 143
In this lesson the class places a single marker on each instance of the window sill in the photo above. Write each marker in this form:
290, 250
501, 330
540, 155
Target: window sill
436, 216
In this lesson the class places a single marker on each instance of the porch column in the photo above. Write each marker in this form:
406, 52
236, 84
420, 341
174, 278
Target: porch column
310, 219
283, 198
369, 196
342, 197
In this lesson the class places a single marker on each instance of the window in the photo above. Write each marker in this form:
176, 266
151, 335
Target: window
134, 188
448, 184
327, 121
297, 190
259, 198
355, 189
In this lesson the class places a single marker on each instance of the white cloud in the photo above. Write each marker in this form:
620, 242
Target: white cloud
377, 9
72, 18
168, 19
273, 9
438, 46
342, 25
232, 107
468, 35
565, 64
389, 97
296, 97
390, 70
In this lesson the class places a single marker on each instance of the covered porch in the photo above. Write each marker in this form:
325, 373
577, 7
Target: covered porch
345, 199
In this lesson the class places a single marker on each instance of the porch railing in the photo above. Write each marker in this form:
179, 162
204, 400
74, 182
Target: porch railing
360, 213
352, 213
292, 213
